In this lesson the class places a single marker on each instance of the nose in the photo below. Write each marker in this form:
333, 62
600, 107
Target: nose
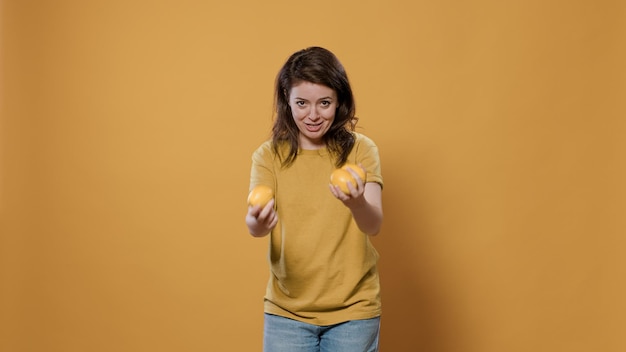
313, 115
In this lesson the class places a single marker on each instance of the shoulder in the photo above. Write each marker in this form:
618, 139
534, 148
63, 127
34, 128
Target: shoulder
360, 138
365, 149
266, 151
264, 147
263, 151
362, 141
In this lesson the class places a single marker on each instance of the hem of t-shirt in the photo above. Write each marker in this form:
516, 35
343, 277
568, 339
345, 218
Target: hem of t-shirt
323, 321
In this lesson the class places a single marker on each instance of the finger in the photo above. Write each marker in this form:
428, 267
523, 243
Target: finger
338, 193
354, 190
254, 210
333, 190
359, 183
353, 172
269, 207
274, 221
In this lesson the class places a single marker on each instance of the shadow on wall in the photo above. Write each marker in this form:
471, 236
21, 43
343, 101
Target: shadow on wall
415, 315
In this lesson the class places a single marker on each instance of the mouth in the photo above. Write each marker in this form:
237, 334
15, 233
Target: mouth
313, 127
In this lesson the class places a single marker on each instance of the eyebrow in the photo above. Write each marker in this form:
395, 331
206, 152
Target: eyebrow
323, 98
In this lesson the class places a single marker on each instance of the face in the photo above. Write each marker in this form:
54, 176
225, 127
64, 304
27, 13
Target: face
313, 108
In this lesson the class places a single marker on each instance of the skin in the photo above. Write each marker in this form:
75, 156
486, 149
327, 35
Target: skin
261, 220
313, 108
364, 201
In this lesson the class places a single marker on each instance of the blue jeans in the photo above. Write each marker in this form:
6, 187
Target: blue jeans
286, 335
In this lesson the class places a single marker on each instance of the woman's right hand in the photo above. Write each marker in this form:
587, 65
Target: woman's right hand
261, 220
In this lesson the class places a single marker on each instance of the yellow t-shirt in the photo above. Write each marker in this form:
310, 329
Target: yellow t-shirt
322, 267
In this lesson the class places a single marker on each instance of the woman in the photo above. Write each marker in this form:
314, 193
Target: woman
323, 292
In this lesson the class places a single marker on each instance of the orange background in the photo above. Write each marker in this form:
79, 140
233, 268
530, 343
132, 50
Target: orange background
126, 134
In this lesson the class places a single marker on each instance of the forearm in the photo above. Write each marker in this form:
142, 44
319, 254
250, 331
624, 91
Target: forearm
368, 217
368, 214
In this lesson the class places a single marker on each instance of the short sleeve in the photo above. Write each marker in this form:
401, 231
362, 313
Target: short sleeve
365, 152
262, 170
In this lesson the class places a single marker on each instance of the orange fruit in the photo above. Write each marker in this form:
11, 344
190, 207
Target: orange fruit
356, 169
260, 195
341, 177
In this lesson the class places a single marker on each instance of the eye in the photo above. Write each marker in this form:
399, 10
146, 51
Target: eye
300, 103
326, 103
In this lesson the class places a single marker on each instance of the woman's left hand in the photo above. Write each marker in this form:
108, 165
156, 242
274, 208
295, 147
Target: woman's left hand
355, 197
364, 201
